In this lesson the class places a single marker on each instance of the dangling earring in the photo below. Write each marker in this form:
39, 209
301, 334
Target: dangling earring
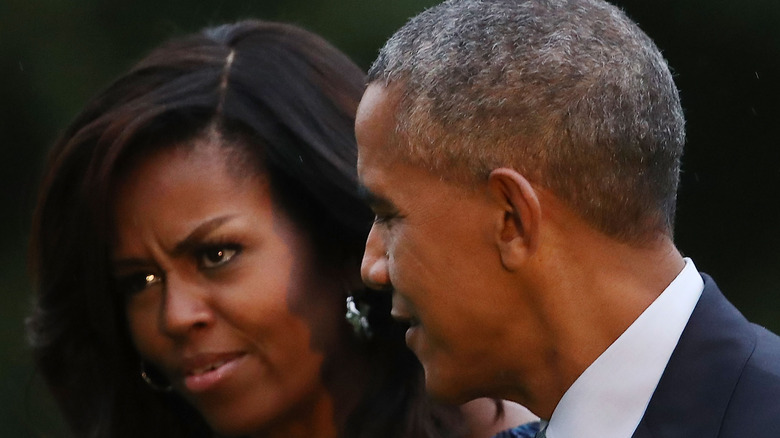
357, 317
148, 376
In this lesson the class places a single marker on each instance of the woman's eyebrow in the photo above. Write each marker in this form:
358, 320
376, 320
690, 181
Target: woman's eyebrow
199, 233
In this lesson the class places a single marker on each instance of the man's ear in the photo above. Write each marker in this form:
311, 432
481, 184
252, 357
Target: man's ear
517, 230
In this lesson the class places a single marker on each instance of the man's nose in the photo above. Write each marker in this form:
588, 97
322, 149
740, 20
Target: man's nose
375, 258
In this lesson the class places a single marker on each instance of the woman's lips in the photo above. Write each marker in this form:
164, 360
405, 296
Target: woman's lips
205, 371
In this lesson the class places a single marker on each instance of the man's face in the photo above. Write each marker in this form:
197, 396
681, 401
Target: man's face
433, 245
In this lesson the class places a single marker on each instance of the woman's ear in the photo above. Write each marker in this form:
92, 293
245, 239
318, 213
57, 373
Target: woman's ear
517, 228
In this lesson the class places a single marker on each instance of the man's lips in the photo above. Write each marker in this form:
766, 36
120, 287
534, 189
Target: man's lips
401, 311
404, 319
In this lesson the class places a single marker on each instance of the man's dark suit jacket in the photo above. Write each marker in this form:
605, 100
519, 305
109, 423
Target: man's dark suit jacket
723, 379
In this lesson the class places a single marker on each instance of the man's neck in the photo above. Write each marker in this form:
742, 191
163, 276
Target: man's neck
590, 288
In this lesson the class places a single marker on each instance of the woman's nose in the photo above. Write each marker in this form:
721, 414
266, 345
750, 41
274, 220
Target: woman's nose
186, 308
374, 269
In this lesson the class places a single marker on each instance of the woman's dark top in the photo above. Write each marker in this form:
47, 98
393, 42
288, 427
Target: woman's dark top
527, 430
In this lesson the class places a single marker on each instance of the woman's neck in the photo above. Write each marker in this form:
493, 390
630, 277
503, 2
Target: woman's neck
325, 414
314, 419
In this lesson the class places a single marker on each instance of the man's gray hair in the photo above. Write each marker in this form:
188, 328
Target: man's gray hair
571, 93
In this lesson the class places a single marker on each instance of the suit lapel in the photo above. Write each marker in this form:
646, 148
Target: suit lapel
693, 393
642, 431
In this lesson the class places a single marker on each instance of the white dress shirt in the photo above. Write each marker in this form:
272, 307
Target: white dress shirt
609, 398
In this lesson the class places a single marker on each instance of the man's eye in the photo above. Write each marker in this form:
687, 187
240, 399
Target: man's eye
216, 256
135, 283
384, 218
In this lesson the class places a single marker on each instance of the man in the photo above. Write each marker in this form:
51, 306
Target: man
522, 159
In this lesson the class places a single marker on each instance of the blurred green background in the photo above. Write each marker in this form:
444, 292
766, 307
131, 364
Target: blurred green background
55, 54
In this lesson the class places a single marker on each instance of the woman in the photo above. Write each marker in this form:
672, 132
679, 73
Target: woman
197, 236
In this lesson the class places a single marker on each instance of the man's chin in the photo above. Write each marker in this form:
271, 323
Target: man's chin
446, 391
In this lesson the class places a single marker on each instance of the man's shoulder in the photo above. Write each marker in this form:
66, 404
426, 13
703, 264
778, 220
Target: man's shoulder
723, 380
761, 374
766, 355
754, 409
744, 341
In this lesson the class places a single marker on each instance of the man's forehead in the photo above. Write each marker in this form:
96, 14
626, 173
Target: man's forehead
377, 97
375, 129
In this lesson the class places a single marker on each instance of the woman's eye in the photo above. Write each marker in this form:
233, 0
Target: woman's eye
135, 283
216, 256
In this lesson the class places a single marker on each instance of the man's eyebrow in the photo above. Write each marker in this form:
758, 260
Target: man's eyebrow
372, 199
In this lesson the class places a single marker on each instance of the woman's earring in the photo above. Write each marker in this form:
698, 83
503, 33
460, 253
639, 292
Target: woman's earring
357, 317
149, 376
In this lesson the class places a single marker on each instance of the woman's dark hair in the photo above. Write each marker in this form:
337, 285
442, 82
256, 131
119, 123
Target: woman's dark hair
287, 98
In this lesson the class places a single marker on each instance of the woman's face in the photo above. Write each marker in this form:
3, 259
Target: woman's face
224, 295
